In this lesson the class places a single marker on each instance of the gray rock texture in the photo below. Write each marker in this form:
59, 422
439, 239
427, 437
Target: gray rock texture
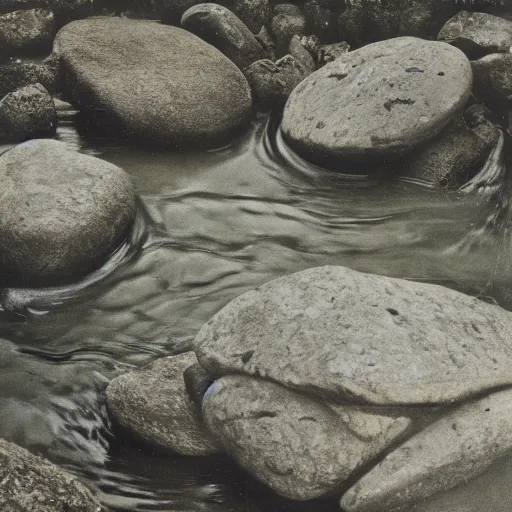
153, 404
273, 82
300, 448
65, 10
152, 81
61, 213
29, 31
27, 112
302, 55
380, 100
329, 52
254, 13
223, 29
30, 483
457, 153
288, 21
334, 332
17, 73
477, 34
368, 21
449, 452
493, 79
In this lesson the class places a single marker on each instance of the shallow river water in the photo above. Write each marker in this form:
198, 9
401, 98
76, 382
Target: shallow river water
211, 225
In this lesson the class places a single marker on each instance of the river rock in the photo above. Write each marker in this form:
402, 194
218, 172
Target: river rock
287, 22
368, 21
153, 404
153, 81
272, 82
300, 448
254, 13
64, 10
334, 332
24, 32
302, 55
223, 29
329, 52
30, 483
380, 100
17, 73
27, 112
477, 34
457, 153
61, 215
447, 453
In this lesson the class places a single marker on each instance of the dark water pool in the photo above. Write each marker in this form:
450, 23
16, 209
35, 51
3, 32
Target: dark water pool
211, 226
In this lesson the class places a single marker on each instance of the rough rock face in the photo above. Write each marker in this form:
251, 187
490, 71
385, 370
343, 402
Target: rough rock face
254, 13
17, 73
63, 9
301, 448
221, 28
24, 32
367, 21
153, 81
287, 22
61, 213
30, 483
27, 112
477, 34
457, 153
272, 82
380, 100
333, 332
449, 452
153, 404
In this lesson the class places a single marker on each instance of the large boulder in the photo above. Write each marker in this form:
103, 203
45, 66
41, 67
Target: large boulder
301, 448
334, 332
380, 100
153, 404
29, 31
449, 452
153, 81
477, 34
223, 29
61, 215
30, 483
27, 112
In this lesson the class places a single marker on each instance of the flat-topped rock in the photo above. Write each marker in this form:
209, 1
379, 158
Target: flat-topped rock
451, 451
152, 81
380, 100
334, 332
301, 448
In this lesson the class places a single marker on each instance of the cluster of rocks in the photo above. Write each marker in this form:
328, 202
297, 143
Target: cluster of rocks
330, 382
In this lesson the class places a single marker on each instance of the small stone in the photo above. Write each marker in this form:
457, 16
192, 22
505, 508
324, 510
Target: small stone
284, 26
329, 52
449, 452
299, 52
300, 448
254, 13
153, 404
197, 381
223, 29
24, 32
272, 83
62, 213
477, 34
27, 112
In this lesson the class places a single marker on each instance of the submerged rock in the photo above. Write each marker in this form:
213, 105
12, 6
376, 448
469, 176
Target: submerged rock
477, 34
61, 215
23, 32
153, 404
451, 451
458, 152
27, 112
30, 483
380, 100
368, 21
300, 448
221, 28
152, 81
333, 332
273, 82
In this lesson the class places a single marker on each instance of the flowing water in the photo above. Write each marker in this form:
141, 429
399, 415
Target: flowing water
210, 226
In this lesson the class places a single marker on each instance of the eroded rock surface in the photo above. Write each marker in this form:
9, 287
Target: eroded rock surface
334, 332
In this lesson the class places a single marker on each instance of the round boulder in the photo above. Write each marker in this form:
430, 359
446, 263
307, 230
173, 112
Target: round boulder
383, 99
152, 81
61, 213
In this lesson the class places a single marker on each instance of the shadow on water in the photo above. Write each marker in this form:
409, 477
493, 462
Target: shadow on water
211, 226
